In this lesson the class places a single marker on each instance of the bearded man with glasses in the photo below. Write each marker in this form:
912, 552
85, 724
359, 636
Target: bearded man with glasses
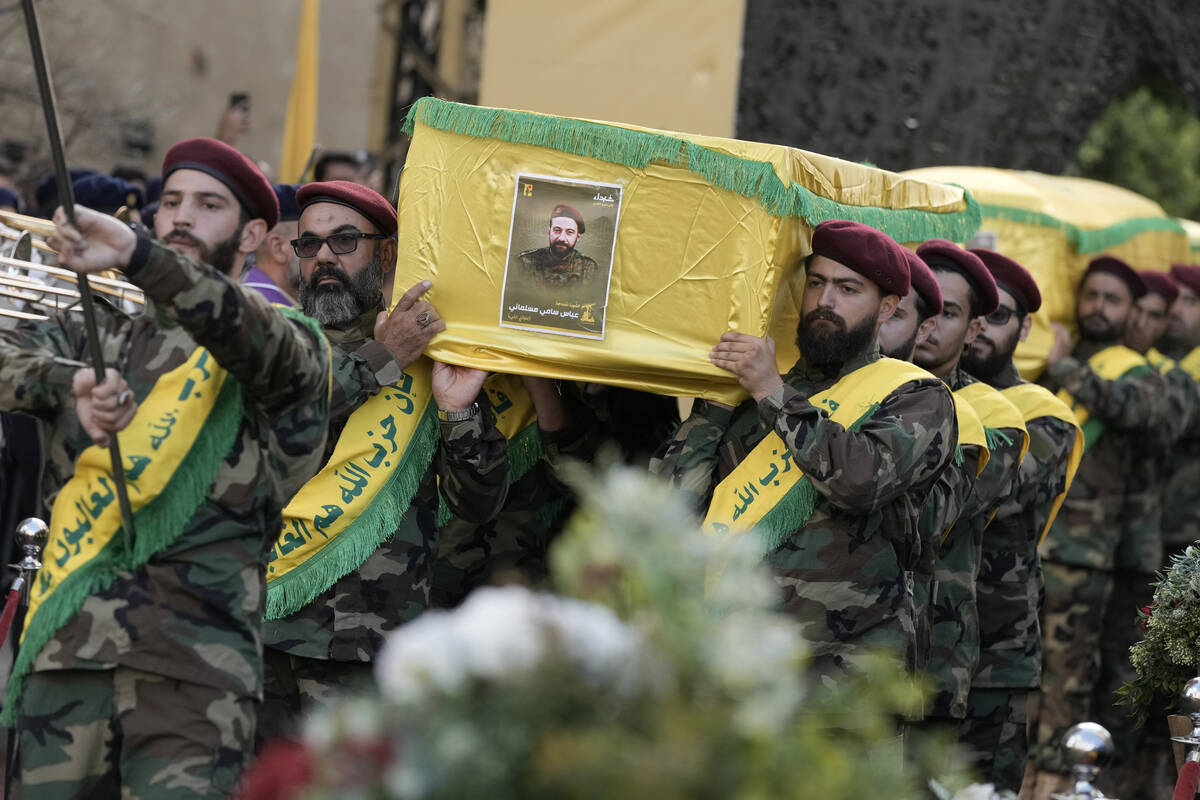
324, 646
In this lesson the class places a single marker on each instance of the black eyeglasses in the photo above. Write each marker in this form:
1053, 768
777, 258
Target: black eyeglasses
1001, 315
339, 243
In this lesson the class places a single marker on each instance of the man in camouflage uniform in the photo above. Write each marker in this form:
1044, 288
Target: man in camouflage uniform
846, 573
1081, 550
899, 337
1010, 577
1181, 496
151, 688
327, 647
968, 293
1142, 751
559, 264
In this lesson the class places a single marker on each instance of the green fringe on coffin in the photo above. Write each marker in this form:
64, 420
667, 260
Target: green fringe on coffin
158, 525
290, 592
796, 507
1086, 241
524, 452
637, 149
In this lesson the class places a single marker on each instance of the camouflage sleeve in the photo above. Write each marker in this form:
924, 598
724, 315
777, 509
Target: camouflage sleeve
35, 374
1178, 402
472, 467
906, 442
999, 476
358, 375
946, 500
1131, 402
279, 362
688, 460
1044, 468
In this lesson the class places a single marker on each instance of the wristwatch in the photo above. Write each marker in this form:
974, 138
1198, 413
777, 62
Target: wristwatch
459, 415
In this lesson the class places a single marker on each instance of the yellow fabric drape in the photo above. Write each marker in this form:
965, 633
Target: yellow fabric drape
1054, 226
300, 124
691, 260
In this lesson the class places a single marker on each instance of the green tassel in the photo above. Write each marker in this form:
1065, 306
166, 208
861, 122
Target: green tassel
1086, 241
159, 524
524, 452
1092, 429
292, 591
958, 455
796, 507
996, 438
638, 149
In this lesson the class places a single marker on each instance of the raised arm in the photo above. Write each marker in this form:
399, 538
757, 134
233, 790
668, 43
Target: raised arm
905, 443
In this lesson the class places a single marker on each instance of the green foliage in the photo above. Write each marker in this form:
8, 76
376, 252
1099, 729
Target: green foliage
1169, 656
1147, 141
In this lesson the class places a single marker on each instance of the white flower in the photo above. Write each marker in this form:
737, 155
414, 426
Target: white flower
505, 632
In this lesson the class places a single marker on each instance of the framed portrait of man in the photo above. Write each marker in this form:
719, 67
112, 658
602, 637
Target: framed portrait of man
560, 255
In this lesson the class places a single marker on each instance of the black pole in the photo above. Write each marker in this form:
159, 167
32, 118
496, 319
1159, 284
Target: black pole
66, 196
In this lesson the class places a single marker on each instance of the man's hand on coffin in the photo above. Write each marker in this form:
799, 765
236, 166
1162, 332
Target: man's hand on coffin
455, 388
410, 326
751, 359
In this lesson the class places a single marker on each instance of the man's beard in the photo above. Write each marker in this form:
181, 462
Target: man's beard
1097, 328
338, 305
828, 351
904, 351
219, 257
561, 250
989, 366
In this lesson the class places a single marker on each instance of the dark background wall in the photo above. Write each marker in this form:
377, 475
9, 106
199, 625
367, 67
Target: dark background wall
910, 83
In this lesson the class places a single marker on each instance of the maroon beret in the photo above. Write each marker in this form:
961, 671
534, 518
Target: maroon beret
564, 210
1159, 283
368, 202
869, 252
943, 254
1119, 269
1187, 275
241, 175
924, 282
1012, 278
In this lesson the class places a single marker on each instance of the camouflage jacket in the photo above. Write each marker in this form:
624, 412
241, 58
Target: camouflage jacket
1178, 474
1098, 517
846, 575
194, 611
350, 619
512, 547
939, 511
542, 267
956, 619
1010, 578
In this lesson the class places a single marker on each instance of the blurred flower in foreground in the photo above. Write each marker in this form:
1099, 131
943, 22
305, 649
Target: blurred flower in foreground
661, 670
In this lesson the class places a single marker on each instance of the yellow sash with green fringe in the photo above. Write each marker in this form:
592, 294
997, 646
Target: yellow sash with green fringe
516, 418
1035, 402
970, 431
173, 448
767, 491
1111, 363
996, 412
361, 495
1191, 364
1159, 361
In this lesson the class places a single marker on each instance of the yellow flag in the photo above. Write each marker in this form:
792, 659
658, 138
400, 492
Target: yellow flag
300, 125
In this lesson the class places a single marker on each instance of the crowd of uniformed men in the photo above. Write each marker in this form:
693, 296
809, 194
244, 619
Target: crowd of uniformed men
941, 529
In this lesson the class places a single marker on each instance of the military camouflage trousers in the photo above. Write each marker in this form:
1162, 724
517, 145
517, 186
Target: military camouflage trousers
293, 686
1082, 668
994, 733
131, 734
